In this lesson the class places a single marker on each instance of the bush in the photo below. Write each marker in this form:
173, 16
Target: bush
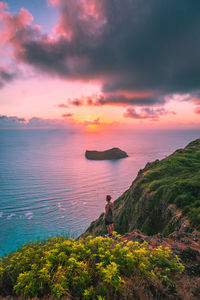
91, 268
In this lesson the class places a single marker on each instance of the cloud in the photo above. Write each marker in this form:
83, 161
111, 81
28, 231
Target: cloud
6, 76
3, 5
62, 105
117, 99
51, 123
128, 46
67, 115
14, 122
197, 110
11, 122
146, 113
76, 101
53, 2
94, 122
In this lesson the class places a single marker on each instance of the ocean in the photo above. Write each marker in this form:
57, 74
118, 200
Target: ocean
48, 187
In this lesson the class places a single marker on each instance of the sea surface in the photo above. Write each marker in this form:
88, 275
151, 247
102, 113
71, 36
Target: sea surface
48, 187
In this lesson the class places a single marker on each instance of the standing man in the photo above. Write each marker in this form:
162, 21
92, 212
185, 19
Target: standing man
108, 215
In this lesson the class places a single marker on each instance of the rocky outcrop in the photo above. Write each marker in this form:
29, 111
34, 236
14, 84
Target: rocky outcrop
114, 153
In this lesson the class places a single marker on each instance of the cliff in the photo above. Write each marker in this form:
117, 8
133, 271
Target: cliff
162, 208
164, 197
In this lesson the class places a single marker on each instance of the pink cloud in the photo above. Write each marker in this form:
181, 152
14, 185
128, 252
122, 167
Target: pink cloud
195, 99
197, 110
90, 19
17, 29
76, 101
62, 105
67, 115
3, 6
54, 2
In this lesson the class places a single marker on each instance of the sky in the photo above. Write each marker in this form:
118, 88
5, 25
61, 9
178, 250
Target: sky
97, 64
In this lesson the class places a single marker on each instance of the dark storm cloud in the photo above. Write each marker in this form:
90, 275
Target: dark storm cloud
120, 100
132, 45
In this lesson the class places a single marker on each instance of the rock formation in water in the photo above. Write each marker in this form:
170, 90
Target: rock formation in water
114, 153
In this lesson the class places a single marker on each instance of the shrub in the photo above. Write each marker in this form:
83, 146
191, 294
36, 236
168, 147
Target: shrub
91, 268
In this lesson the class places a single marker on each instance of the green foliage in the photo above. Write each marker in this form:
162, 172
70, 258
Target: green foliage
169, 228
176, 179
180, 180
91, 268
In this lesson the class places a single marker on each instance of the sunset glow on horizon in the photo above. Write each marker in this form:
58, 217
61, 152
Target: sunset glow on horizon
72, 62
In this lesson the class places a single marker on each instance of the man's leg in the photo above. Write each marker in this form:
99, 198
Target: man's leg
108, 228
112, 227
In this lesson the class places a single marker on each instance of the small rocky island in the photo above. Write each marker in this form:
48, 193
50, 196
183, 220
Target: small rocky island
114, 153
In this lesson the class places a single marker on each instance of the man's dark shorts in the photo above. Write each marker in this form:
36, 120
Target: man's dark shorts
108, 223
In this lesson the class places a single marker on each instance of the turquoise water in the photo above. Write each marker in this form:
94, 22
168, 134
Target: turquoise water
47, 187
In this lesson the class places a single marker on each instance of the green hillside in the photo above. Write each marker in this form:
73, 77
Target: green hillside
165, 196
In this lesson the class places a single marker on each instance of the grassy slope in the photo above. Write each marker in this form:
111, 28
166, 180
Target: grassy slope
173, 182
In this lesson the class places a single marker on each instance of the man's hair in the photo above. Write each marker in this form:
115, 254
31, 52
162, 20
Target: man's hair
108, 197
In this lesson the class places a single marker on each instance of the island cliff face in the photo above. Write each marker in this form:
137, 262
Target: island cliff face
164, 197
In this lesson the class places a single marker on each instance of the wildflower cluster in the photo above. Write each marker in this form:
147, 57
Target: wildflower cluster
91, 268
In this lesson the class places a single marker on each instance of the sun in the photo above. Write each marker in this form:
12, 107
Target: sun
93, 128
